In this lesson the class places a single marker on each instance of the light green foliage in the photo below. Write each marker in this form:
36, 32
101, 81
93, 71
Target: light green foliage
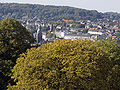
50, 35
66, 65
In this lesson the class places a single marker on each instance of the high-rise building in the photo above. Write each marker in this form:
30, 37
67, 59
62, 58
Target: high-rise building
39, 34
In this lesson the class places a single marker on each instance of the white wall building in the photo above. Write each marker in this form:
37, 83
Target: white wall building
60, 34
95, 32
75, 37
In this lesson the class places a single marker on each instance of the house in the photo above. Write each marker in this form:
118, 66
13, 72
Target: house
59, 34
44, 34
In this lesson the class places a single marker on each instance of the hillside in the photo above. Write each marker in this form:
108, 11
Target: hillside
19, 11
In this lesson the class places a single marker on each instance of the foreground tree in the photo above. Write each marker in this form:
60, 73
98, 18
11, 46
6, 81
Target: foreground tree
5, 73
14, 40
66, 65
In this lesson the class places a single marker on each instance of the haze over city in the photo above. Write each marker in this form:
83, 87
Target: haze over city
99, 5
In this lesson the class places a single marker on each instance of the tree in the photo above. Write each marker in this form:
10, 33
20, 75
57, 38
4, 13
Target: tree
78, 26
5, 73
113, 48
14, 40
50, 35
66, 65
45, 28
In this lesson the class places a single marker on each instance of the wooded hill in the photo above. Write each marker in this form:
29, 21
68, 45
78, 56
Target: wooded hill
46, 12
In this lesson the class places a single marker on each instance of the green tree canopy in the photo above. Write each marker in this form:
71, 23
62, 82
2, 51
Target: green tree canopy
5, 73
14, 40
45, 28
78, 26
67, 65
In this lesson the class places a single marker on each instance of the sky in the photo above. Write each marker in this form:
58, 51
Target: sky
99, 5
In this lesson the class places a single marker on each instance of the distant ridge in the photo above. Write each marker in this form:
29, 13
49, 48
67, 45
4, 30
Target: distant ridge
48, 12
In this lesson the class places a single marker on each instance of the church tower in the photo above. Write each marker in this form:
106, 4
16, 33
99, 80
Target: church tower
39, 34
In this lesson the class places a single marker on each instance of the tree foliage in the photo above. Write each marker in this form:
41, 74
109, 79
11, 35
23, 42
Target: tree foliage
46, 12
14, 40
5, 73
19, 11
78, 26
67, 65
45, 28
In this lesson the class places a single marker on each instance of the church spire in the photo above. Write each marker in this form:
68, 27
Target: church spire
39, 34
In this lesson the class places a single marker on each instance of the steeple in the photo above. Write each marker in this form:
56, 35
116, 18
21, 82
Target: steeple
39, 29
39, 34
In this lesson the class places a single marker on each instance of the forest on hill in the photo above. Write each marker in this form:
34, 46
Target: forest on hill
47, 12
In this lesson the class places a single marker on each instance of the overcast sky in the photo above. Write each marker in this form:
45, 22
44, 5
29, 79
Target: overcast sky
100, 5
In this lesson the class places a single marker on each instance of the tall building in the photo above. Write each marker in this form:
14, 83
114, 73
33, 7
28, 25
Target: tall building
39, 34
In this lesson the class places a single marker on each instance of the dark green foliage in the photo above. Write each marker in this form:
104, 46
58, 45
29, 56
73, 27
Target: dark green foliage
78, 26
18, 11
14, 40
5, 73
45, 28
112, 15
50, 35
85, 31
